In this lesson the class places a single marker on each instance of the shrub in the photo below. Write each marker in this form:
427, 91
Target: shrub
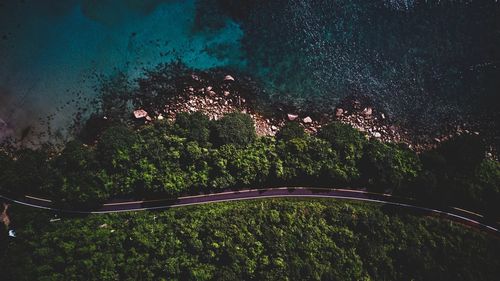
234, 128
194, 127
291, 130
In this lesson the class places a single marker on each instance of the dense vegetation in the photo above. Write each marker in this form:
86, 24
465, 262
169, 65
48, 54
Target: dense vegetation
195, 155
253, 240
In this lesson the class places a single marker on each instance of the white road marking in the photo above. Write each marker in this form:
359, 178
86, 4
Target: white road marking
250, 198
37, 198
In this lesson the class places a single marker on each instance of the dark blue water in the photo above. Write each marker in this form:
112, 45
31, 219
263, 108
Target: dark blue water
422, 61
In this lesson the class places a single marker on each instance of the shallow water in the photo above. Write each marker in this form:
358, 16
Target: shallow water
423, 61
52, 50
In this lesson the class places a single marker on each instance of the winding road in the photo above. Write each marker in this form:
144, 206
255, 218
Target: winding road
455, 214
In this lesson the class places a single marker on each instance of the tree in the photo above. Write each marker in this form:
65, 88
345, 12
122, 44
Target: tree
93, 128
240, 167
234, 128
195, 162
463, 153
348, 142
30, 170
488, 174
388, 166
116, 146
194, 126
301, 161
7, 175
77, 180
457, 173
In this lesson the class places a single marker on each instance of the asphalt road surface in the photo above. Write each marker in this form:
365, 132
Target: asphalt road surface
455, 214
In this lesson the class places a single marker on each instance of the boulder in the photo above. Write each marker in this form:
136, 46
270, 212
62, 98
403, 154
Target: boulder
292, 117
307, 120
367, 112
339, 112
140, 113
228, 78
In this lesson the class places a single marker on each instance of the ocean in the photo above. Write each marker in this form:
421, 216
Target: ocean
423, 62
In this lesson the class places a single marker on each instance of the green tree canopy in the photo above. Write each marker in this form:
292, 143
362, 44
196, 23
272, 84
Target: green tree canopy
7, 175
76, 180
31, 170
115, 147
194, 126
348, 141
388, 166
290, 131
234, 128
305, 159
463, 153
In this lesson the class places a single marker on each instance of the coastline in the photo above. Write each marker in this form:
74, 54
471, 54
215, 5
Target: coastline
223, 92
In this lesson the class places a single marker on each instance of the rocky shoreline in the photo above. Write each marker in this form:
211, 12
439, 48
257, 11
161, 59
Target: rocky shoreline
219, 93
216, 99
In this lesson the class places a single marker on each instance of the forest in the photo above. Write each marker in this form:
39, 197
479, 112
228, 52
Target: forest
274, 239
196, 155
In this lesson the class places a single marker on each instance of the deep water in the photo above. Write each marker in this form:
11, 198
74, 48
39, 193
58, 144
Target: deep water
424, 62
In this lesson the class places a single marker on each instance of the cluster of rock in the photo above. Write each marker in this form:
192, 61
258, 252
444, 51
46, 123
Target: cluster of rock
373, 123
428, 142
218, 99
376, 125
215, 102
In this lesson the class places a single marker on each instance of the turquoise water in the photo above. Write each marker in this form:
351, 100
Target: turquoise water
52, 52
424, 62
